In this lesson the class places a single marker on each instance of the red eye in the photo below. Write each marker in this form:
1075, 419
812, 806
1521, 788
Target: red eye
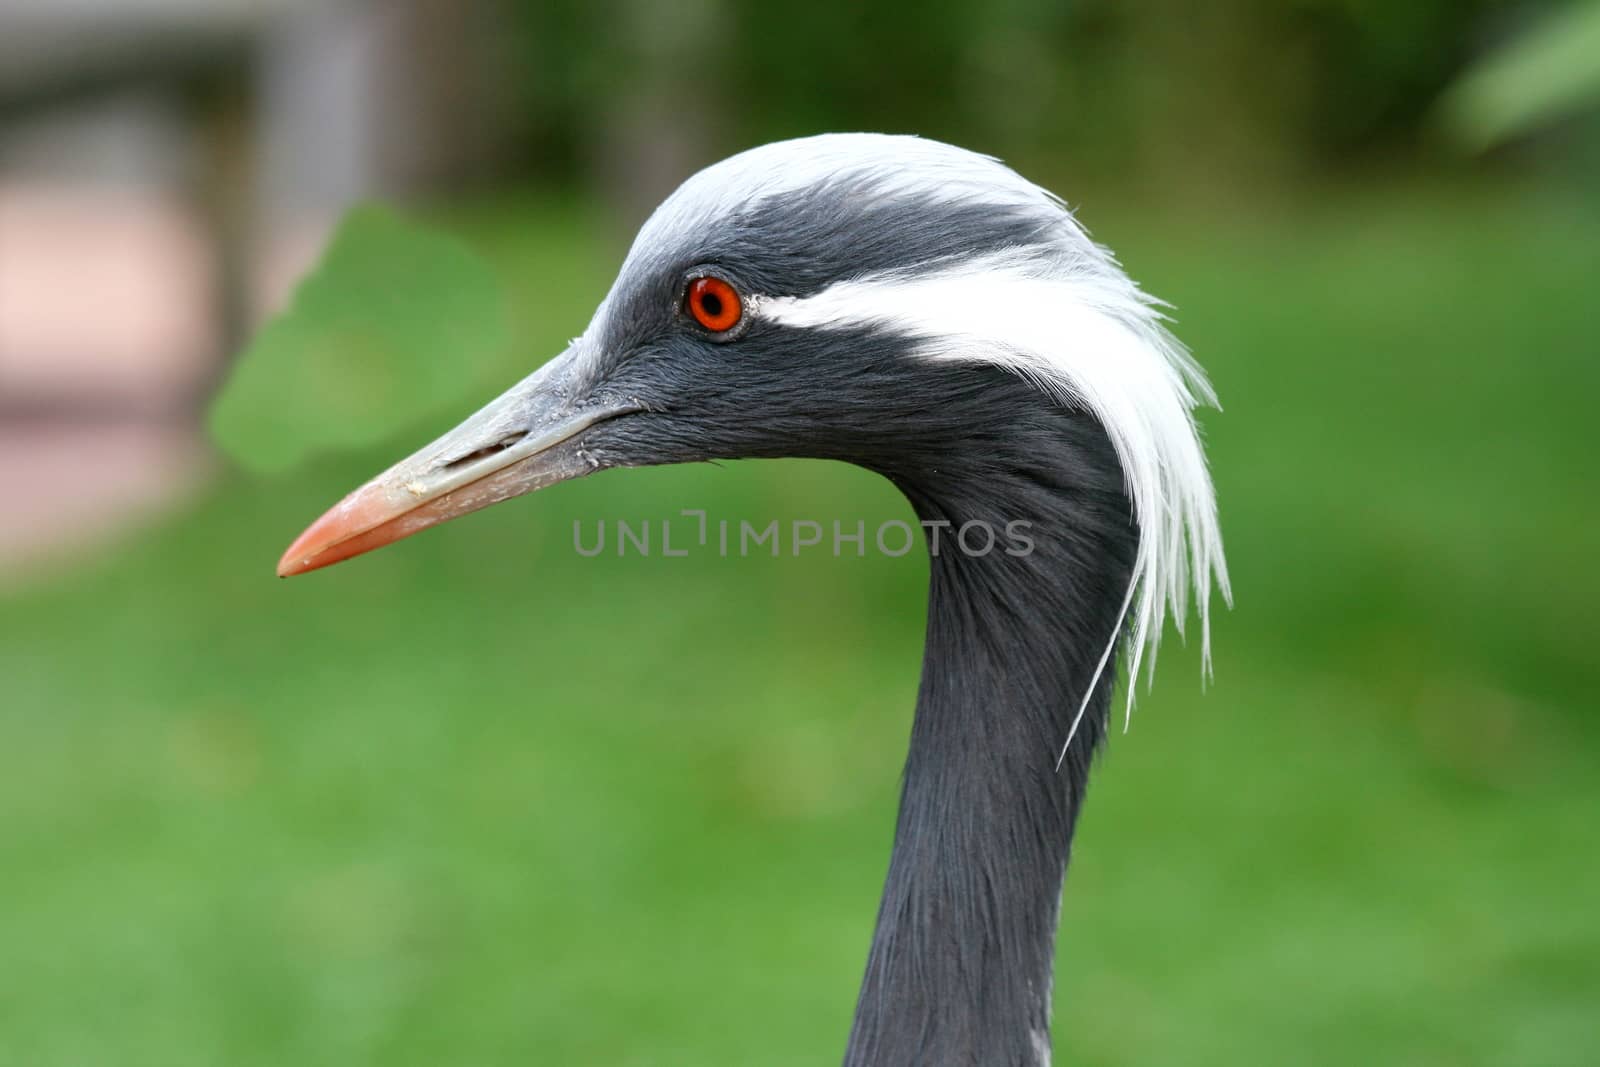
714, 304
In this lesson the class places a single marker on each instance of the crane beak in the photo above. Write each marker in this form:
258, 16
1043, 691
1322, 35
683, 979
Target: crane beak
524, 440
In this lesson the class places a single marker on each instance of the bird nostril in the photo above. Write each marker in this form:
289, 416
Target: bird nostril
484, 452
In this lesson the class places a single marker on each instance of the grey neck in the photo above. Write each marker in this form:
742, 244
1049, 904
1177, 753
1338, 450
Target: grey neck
961, 965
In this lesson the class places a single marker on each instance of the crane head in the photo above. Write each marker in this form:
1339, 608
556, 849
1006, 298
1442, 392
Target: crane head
844, 296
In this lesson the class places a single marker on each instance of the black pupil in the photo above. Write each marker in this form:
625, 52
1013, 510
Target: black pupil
711, 304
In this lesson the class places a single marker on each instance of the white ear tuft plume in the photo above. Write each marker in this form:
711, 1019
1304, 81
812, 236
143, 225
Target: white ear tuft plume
1081, 330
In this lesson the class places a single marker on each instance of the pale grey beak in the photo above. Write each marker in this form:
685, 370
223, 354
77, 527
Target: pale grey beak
522, 441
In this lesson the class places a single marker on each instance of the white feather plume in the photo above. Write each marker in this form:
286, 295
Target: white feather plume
1078, 327
1075, 325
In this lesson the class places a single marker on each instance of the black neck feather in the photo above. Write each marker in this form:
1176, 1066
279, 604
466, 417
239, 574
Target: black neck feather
961, 964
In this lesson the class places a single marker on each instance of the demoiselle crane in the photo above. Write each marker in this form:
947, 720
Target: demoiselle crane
926, 313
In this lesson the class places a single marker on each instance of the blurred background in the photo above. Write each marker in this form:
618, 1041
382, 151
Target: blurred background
478, 800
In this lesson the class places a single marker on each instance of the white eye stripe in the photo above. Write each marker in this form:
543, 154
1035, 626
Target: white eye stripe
1077, 327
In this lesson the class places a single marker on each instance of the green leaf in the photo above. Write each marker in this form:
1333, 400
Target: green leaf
1551, 71
396, 321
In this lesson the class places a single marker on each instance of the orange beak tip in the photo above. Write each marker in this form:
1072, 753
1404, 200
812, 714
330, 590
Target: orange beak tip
369, 518
320, 543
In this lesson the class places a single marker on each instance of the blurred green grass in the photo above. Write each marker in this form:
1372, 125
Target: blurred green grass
478, 800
